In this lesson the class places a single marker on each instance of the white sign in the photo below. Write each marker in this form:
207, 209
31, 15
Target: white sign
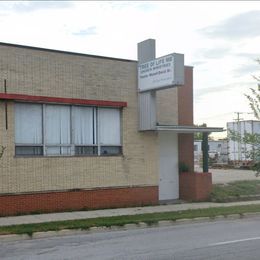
156, 73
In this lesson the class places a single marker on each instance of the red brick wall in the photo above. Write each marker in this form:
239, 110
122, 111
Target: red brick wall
77, 200
185, 117
195, 186
185, 99
186, 147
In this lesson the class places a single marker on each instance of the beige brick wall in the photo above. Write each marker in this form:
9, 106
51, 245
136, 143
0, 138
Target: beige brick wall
167, 106
37, 72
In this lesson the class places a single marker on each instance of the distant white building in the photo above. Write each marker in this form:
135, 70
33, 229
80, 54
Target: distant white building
237, 152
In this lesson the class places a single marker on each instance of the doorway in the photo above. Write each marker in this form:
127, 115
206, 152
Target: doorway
168, 166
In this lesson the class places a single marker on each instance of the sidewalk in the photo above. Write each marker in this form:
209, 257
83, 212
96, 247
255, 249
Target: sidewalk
40, 218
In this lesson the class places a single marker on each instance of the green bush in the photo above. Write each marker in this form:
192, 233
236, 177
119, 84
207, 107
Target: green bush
183, 167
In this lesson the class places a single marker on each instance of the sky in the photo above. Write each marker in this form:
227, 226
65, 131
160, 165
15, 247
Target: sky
220, 39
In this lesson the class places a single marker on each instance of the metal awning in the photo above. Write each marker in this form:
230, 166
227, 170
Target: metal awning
188, 129
191, 130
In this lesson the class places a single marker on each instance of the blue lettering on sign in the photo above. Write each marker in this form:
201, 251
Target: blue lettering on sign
144, 66
159, 62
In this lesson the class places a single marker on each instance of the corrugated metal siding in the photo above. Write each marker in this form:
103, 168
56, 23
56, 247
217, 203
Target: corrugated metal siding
147, 106
238, 151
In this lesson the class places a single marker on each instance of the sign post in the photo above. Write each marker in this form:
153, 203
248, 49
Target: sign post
155, 74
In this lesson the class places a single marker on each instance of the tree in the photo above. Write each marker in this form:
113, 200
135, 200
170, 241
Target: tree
252, 139
198, 135
254, 99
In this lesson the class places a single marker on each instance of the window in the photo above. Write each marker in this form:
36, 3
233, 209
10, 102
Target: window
57, 130
109, 131
63, 130
28, 129
85, 137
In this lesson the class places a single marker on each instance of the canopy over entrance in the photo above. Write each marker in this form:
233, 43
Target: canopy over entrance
188, 129
191, 130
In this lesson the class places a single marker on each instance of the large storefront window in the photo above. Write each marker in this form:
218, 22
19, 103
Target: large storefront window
63, 130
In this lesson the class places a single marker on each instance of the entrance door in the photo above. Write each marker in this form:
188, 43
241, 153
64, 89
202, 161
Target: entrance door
169, 172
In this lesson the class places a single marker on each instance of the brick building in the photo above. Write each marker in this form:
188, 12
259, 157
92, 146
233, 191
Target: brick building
69, 123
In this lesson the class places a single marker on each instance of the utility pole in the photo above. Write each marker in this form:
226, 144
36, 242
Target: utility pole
238, 119
238, 116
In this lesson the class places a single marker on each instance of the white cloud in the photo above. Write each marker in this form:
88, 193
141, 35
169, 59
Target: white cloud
246, 69
30, 6
240, 26
215, 53
92, 30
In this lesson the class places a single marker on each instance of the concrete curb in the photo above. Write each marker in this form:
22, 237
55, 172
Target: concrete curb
140, 225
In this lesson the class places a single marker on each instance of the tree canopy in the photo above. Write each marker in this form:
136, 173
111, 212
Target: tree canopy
252, 139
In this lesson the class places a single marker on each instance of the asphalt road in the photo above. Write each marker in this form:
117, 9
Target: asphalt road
225, 239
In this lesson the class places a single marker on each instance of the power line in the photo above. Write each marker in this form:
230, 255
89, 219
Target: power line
217, 115
240, 113
223, 114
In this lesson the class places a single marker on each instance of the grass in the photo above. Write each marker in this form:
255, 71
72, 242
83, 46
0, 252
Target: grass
150, 219
235, 190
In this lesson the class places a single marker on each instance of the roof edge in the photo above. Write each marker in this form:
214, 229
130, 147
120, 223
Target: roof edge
62, 52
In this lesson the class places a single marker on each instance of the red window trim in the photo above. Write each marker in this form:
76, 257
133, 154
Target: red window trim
42, 99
